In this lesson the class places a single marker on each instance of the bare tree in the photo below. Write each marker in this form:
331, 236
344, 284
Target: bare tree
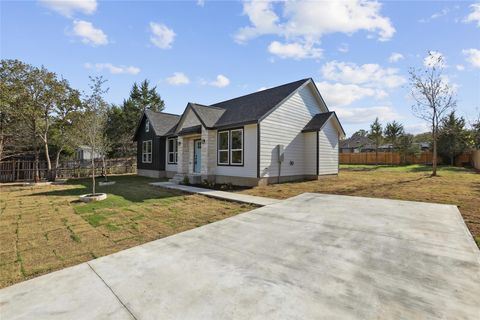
433, 97
94, 120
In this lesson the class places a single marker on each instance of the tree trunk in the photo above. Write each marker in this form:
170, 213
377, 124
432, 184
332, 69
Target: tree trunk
36, 176
47, 157
57, 162
93, 174
434, 157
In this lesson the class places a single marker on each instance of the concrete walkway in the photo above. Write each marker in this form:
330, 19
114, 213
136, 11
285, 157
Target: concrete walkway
313, 256
231, 196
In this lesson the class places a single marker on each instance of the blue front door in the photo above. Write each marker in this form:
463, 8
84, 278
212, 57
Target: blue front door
197, 156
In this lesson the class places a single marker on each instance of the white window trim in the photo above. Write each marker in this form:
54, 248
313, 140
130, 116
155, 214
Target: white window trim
223, 150
147, 125
174, 152
145, 154
231, 150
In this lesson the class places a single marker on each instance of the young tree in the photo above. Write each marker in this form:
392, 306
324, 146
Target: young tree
393, 132
376, 135
453, 137
433, 96
476, 133
94, 120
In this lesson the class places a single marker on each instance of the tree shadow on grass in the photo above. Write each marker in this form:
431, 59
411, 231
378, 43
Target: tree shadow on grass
127, 188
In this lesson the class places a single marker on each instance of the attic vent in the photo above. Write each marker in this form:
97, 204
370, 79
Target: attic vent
147, 125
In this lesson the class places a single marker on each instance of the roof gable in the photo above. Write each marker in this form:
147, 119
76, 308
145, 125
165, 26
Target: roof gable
161, 122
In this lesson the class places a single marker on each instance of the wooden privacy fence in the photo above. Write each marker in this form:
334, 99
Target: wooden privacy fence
395, 158
24, 170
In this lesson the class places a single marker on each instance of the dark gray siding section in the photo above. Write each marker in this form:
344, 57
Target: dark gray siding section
158, 149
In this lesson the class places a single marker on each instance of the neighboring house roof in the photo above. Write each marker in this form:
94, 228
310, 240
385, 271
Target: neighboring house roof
163, 123
319, 120
355, 141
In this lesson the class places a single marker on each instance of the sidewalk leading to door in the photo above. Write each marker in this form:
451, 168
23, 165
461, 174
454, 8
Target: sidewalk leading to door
259, 201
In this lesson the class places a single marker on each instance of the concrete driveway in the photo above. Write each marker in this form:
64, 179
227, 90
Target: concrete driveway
309, 257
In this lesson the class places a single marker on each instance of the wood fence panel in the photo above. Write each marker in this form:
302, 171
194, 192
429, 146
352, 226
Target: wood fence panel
394, 158
24, 170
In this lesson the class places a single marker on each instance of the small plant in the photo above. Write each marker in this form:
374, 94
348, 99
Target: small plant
209, 184
186, 181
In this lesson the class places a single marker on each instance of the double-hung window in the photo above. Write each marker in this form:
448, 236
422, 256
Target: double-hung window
230, 147
172, 151
223, 147
236, 147
147, 151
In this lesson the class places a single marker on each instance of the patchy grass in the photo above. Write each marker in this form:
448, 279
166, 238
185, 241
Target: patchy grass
458, 186
46, 228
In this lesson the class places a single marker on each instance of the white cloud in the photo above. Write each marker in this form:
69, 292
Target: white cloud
178, 79
436, 15
162, 36
68, 8
460, 67
338, 94
220, 82
306, 22
294, 50
434, 58
395, 57
200, 3
367, 114
112, 68
262, 88
474, 16
88, 33
472, 56
372, 74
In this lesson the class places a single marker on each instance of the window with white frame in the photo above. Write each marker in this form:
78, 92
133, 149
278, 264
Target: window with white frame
236, 147
147, 125
223, 147
172, 152
147, 151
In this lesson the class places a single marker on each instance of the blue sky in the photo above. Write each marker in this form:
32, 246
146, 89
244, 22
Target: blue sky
357, 52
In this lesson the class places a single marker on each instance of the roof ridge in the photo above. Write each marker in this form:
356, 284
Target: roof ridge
256, 92
206, 106
161, 112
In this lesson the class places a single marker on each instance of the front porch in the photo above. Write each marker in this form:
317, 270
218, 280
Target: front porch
196, 155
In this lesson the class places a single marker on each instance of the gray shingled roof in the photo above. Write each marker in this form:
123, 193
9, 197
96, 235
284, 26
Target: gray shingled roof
208, 115
162, 122
249, 108
190, 130
317, 122
252, 107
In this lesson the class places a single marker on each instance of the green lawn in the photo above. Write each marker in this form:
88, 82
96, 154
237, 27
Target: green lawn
46, 228
403, 168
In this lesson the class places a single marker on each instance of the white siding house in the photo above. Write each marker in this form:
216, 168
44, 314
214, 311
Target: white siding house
239, 140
